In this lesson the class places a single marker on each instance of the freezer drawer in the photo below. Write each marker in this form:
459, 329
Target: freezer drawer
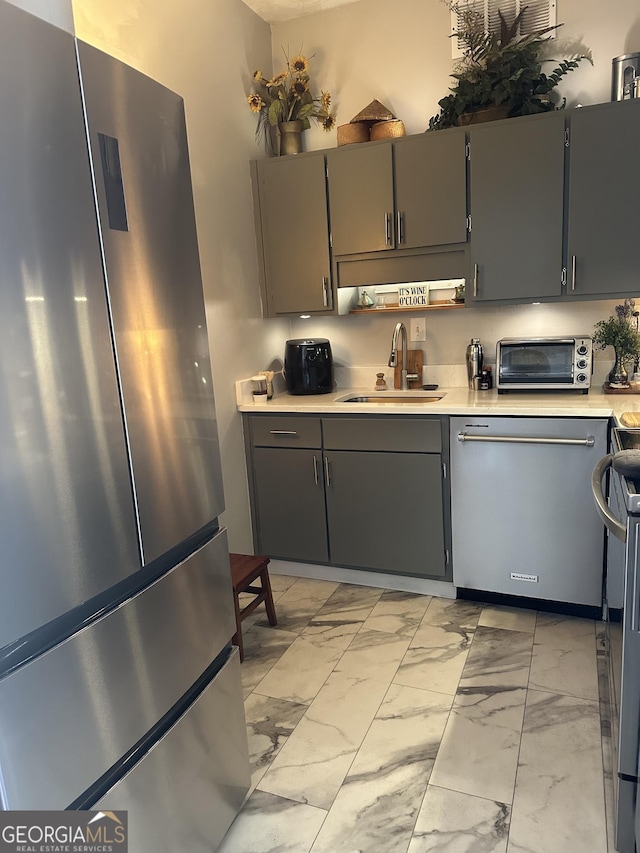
185, 793
73, 712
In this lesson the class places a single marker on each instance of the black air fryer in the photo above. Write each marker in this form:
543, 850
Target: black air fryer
308, 366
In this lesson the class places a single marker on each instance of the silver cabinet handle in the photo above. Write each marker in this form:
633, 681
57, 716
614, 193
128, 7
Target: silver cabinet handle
387, 229
399, 228
475, 279
573, 272
611, 522
315, 470
283, 432
325, 291
327, 475
589, 441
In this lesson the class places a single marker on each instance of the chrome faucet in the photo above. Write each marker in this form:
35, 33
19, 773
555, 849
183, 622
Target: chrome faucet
401, 330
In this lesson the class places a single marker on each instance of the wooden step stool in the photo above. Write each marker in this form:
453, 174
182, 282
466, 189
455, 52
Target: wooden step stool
244, 570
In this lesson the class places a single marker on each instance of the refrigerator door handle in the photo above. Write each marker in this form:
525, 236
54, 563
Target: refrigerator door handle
113, 186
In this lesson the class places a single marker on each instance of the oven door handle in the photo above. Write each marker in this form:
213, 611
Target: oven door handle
613, 524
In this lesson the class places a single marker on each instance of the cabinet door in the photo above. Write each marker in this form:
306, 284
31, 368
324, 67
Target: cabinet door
604, 193
289, 503
431, 189
385, 511
295, 234
361, 198
517, 174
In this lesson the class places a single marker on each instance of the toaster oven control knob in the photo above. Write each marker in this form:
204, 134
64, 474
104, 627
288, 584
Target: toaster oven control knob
581, 377
582, 350
582, 363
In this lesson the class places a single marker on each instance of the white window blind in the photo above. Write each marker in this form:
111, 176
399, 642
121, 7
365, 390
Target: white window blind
538, 14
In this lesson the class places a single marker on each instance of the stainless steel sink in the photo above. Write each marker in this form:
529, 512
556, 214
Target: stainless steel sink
384, 397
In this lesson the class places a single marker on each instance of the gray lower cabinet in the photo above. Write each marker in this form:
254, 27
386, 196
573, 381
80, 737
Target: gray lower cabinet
385, 511
289, 503
604, 187
365, 493
292, 230
517, 204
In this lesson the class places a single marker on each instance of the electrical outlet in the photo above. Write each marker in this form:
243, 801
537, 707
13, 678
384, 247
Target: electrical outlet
418, 329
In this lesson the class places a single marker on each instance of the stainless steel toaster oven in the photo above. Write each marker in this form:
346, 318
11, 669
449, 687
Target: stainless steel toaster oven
544, 364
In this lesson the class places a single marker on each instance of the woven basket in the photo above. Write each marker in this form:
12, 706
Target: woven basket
387, 129
373, 112
349, 133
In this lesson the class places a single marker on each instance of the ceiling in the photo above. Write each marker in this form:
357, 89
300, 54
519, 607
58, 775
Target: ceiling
284, 10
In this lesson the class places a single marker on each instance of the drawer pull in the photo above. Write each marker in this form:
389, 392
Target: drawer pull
283, 432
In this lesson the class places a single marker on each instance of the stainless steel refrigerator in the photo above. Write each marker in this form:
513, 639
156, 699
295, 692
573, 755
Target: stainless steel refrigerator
119, 686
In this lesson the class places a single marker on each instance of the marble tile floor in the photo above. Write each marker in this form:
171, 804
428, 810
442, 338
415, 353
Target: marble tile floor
388, 722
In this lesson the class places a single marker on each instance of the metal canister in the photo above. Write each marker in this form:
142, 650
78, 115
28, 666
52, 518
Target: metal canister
475, 360
625, 70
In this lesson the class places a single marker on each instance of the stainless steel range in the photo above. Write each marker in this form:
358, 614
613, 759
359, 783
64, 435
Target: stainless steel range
621, 515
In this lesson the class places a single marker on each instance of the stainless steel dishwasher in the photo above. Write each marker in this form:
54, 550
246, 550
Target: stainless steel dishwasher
523, 518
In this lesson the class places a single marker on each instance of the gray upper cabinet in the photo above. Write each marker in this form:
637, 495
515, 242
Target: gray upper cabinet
293, 234
361, 198
517, 204
406, 194
603, 252
431, 189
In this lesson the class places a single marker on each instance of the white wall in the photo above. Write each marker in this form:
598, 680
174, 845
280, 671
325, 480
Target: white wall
401, 55
57, 12
207, 51
365, 340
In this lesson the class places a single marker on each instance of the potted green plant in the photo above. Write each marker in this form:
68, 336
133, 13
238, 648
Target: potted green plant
286, 102
500, 74
619, 332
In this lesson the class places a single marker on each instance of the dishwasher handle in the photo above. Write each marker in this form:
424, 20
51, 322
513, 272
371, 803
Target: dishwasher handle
612, 524
589, 441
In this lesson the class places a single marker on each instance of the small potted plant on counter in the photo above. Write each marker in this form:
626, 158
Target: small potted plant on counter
619, 332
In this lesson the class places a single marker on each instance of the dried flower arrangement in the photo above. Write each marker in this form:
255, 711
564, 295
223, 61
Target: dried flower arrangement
287, 97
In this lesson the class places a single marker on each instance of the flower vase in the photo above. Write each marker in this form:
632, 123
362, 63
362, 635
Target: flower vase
290, 137
618, 374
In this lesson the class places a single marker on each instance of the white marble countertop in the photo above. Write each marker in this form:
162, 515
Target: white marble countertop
455, 401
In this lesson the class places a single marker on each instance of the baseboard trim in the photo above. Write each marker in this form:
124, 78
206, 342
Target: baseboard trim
402, 583
585, 611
